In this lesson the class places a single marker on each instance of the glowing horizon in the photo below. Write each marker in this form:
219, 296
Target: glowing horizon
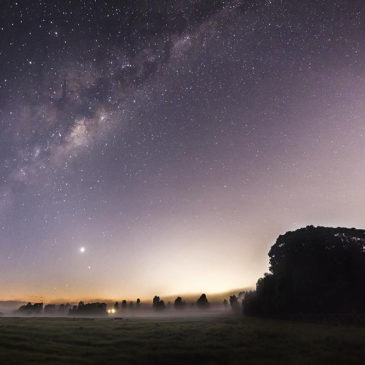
212, 296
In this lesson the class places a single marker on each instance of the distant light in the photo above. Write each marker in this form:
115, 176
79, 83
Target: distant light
82, 249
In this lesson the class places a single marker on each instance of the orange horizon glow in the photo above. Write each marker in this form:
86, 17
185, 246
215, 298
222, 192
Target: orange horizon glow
187, 296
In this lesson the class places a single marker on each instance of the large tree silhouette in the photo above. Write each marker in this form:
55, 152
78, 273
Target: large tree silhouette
313, 270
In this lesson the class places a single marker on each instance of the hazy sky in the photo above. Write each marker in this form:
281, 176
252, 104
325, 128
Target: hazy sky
173, 142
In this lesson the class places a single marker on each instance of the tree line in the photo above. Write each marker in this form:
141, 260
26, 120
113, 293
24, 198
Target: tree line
102, 308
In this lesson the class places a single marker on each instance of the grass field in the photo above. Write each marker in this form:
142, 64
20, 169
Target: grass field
224, 340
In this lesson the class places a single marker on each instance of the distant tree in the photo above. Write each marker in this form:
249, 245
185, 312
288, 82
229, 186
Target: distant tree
124, 304
50, 309
312, 270
116, 306
138, 303
179, 303
37, 308
155, 301
62, 308
89, 309
235, 305
26, 309
31, 309
73, 310
202, 302
158, 304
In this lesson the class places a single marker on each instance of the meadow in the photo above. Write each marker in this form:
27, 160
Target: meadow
209, 340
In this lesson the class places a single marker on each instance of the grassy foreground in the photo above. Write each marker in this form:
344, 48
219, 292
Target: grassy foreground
177, 341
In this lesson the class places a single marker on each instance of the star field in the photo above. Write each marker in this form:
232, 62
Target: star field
161, 147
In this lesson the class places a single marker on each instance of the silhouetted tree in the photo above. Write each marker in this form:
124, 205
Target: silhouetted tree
26, 309
116, 306
61, 308
155, 301
89, 309
235, 305
202, 302
158, 304
32, 309
179, 303
37, 308
251, 304
124, 304
64, 308
50, 309
312, 270
138, 303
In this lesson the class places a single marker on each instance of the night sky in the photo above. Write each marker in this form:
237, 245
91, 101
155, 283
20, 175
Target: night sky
159, 149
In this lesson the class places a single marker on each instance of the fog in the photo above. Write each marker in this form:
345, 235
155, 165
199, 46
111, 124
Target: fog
191, 313
144, 310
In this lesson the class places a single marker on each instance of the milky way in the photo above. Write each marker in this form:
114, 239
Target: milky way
173, 141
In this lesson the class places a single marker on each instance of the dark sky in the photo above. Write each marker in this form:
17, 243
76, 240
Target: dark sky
173, 143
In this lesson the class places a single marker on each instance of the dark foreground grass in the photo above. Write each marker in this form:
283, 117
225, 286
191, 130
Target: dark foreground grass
176, 341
